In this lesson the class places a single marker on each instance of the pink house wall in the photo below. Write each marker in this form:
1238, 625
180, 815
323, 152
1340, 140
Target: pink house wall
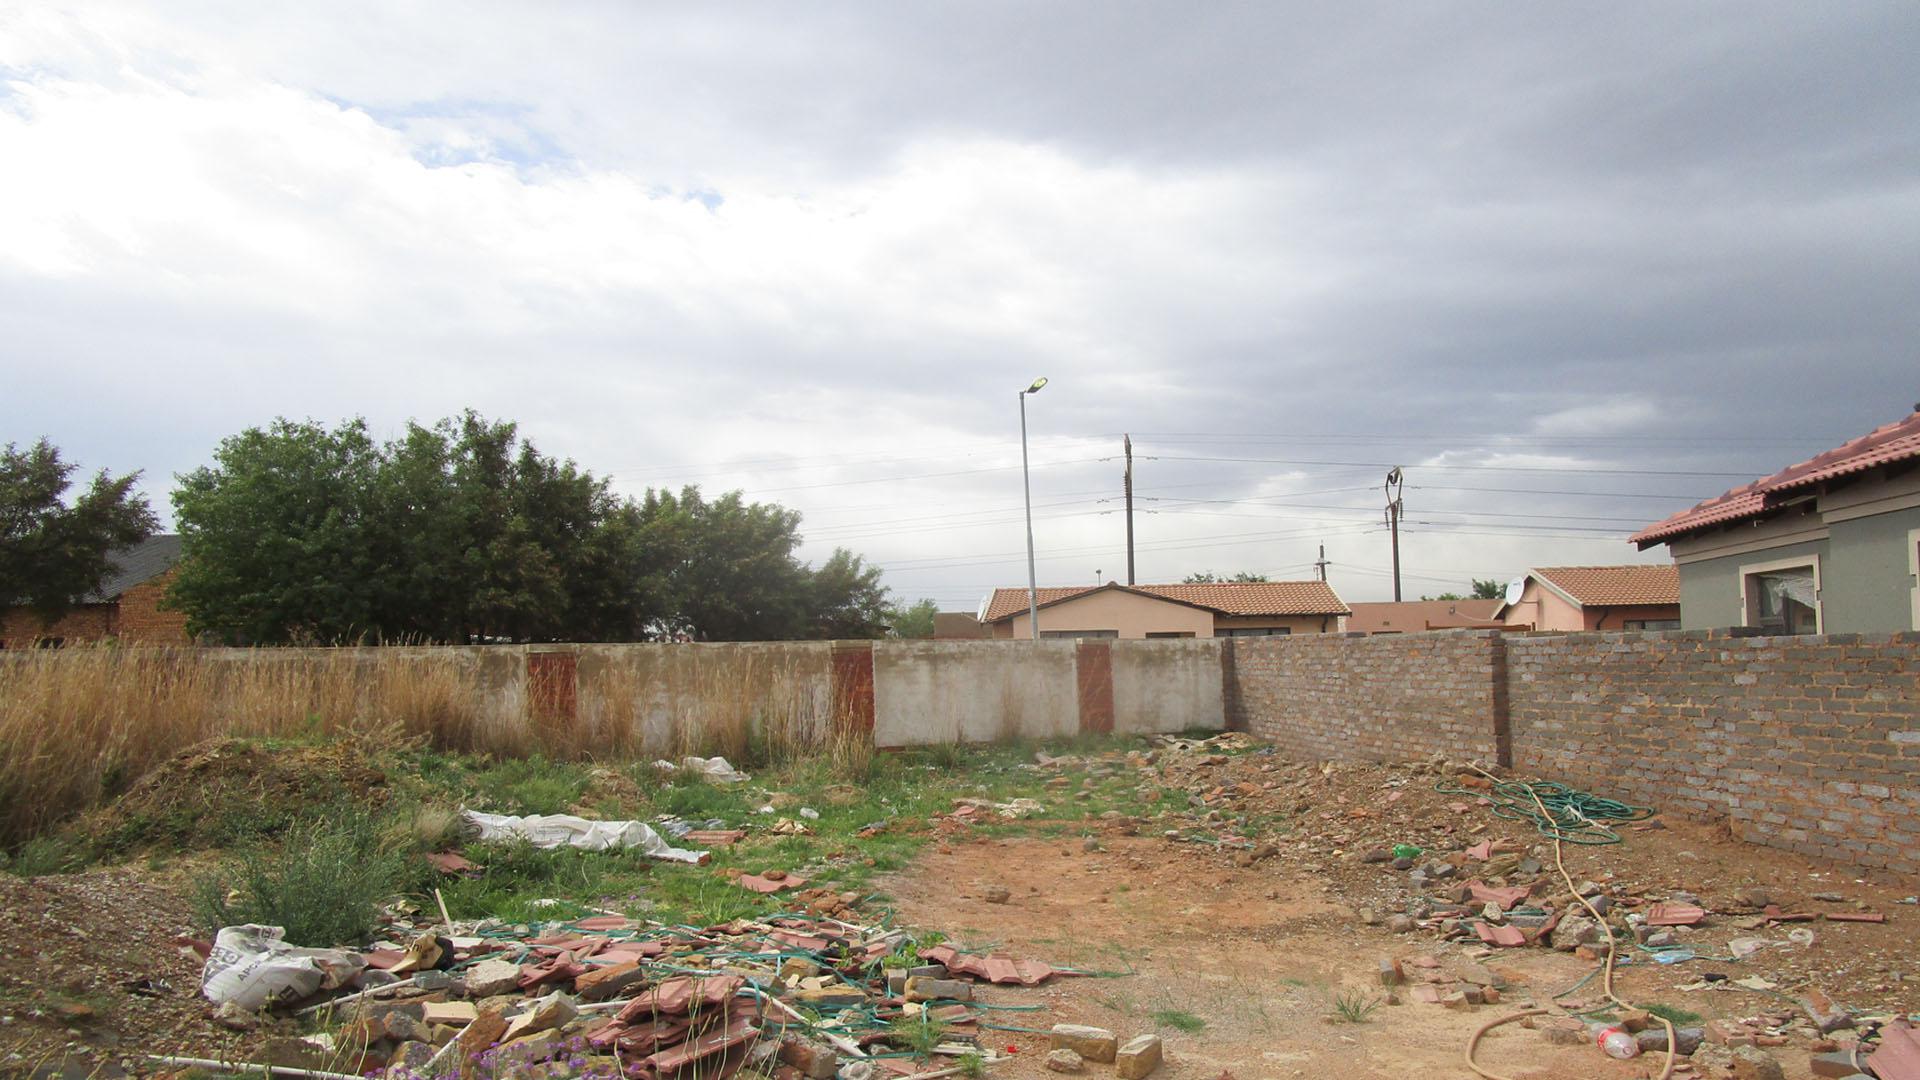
1544, 609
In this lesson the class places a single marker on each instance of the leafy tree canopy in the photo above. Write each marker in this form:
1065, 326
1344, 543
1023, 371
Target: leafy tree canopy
52, 552
1488, 590
1208, 577
915, 621
464, 531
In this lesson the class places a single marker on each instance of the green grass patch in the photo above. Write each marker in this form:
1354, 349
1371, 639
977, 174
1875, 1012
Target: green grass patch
1179, 1021
1675, 1015
1354, 1007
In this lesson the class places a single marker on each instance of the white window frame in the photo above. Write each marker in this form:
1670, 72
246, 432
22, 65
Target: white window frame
1747, 570
1913, 567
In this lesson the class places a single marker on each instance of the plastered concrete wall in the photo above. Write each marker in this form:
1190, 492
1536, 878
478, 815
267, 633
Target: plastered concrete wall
973, 691
1161, 686
664, 694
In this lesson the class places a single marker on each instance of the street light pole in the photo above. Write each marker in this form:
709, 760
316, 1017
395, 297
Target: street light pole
1026, 482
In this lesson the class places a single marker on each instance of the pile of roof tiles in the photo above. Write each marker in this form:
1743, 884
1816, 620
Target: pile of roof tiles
787, 997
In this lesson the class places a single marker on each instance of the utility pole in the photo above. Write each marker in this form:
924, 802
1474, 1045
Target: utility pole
1320, 566
1393, 524
1127, 441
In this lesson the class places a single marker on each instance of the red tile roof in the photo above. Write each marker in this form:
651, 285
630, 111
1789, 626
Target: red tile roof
1898, 441
1225, 598
1614, 586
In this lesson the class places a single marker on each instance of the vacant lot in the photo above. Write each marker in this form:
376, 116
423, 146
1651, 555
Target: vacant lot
1217, 895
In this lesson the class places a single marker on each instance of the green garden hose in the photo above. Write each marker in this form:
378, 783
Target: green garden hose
1573, 816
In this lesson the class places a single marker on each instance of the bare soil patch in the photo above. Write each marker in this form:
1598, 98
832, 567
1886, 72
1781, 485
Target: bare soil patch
1259, 952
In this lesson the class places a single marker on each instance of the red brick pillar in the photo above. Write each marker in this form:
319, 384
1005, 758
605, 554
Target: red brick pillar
553, 685
1093, 665
853, 687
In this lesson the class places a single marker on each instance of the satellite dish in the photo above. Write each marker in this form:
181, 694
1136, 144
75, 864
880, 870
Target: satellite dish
1515, 588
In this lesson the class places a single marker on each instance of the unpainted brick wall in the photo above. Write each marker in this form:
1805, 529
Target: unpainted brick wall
1805, 743
1382, 698
20, 628
139, 617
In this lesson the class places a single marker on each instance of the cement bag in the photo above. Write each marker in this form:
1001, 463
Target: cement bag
713, 770
565, 830
253, 968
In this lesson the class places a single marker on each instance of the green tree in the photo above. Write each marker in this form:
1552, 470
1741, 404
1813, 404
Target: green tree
914, 621
1208, 577
1488, 590
464, 531
728, 567
1445, 596
52, 553
282, 538
848, 601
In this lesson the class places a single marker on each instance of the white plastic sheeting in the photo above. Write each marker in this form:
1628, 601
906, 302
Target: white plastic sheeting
566, 830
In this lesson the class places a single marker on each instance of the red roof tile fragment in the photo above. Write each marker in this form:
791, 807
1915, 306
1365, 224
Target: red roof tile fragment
450, 862
1507, 937
1898, 1057
1508, 897
605, 922
762, 885
1675, 915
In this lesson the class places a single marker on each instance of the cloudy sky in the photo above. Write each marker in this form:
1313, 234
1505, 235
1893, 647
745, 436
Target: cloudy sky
1573, 267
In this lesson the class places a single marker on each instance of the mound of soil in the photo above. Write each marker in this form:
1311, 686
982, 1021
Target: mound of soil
224, 790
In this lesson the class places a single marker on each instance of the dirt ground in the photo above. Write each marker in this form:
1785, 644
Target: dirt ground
1259, 952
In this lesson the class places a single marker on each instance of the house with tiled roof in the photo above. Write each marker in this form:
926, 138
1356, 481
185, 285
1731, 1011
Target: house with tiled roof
1830, 545
1220, 609
1594, 598
126, 606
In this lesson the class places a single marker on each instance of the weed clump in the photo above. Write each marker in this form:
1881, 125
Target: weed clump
323, 883
1353, 1007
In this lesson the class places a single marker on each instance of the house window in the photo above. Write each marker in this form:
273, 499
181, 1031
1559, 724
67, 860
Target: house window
1254, 631
1079, 633
1169, 633
1652, 624
1782, 597
1913, 568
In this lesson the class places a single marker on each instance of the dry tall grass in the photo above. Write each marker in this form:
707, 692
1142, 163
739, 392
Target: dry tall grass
746, 704
78, 725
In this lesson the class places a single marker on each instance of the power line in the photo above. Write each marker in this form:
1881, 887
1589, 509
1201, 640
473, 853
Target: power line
1485, 468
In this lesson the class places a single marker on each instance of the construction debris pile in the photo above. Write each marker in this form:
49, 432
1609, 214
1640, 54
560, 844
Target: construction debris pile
790, 996
1483, 884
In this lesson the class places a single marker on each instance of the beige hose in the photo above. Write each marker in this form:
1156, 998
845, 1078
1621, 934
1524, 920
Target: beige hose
1558, 862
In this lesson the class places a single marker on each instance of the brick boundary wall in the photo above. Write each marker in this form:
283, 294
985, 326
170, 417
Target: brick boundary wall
1805, 743
1389, 697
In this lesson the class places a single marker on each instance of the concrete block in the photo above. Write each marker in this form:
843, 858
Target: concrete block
1138, 1058
1092, 1043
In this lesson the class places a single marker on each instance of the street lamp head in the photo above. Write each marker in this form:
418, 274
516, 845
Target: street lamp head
1037, 384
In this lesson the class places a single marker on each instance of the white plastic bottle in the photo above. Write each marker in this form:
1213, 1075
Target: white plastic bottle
1616, 1041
